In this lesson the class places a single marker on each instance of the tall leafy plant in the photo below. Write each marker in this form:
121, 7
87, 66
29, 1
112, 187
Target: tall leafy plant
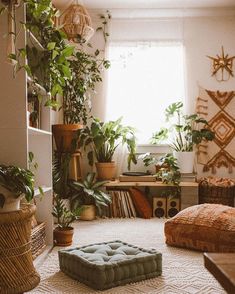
105, 137
186, 130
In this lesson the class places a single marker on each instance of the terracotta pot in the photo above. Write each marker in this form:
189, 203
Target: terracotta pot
64, 135
63, 237
88, 213
11, 202
106, 170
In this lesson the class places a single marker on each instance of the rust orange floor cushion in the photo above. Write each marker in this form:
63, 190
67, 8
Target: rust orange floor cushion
205, 227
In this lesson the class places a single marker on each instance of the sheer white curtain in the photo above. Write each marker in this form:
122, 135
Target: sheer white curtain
144, 78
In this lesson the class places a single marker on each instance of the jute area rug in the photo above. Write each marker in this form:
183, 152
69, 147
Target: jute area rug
183, 270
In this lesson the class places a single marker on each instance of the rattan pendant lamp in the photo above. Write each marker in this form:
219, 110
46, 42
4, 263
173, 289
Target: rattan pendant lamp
76, 22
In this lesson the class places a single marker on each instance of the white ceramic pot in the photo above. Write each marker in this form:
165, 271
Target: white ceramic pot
185, 161
11, 203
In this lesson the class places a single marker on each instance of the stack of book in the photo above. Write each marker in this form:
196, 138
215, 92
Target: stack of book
122, 205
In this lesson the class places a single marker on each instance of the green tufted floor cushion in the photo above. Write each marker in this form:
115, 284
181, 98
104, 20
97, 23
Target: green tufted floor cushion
110, 264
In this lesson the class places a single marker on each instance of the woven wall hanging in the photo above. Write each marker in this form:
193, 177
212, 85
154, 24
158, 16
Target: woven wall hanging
219, 110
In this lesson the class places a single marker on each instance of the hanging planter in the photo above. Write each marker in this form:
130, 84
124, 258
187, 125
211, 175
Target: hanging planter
76, 23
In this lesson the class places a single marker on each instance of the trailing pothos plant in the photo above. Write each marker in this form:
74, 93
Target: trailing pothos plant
105, 137
167, 167
58, 66
186, 130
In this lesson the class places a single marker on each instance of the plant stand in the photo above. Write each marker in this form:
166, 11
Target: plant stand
76, 166
17, 272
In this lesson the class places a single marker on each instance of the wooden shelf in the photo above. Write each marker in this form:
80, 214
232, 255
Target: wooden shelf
32, 40
35, 86
38, 132
45, 189
117, 183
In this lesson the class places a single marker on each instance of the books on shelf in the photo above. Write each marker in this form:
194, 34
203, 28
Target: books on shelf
122, 205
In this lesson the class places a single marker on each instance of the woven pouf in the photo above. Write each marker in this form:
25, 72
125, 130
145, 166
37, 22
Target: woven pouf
17, 273
110, 264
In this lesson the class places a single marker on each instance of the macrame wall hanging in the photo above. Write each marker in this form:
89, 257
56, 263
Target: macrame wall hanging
219, 110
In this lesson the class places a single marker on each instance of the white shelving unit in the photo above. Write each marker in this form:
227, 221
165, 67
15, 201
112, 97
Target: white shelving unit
17, 138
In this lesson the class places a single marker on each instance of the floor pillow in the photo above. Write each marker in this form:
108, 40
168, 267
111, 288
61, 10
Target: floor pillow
110, 264
205, 227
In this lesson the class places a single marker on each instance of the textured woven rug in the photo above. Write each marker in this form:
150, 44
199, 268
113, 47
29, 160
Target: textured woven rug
183, 270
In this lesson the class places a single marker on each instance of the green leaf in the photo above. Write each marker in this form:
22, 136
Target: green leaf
51, 46
68, 51
51, 103
31, 156
54, 54
66, 71
27, 69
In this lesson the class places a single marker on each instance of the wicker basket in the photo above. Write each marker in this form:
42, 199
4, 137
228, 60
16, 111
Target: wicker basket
17, 273
38, 238
216, 191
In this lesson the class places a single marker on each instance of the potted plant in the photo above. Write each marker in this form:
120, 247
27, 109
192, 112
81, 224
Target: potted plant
61, 68
85, 73
167, 169
89, 194
15, 183
63, 233
186, 132
104, 138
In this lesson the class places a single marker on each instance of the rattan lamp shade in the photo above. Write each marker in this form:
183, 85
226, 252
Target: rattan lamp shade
76, 22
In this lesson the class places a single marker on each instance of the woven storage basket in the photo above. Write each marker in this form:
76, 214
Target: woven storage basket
216, 191
17, 273
38, 238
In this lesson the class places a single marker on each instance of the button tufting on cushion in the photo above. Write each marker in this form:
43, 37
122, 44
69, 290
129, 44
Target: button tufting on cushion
110, 264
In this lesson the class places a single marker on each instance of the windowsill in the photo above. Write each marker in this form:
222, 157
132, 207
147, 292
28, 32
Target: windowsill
154, 149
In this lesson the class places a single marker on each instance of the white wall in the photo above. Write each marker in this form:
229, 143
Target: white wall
202, 35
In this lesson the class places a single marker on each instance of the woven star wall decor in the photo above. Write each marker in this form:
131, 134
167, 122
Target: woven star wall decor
222, 64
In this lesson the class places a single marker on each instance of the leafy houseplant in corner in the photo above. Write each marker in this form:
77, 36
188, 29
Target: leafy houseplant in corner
88, 193
104, 138
15, 183
63, 233
186, 131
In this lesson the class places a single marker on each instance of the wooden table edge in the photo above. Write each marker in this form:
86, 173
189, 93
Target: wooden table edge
218, 273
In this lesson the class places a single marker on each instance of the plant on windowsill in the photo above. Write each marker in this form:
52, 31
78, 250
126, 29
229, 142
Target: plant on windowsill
63, 233
89, 194
103, 139
187, 132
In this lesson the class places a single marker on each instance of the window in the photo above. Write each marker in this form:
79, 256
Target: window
144, 78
